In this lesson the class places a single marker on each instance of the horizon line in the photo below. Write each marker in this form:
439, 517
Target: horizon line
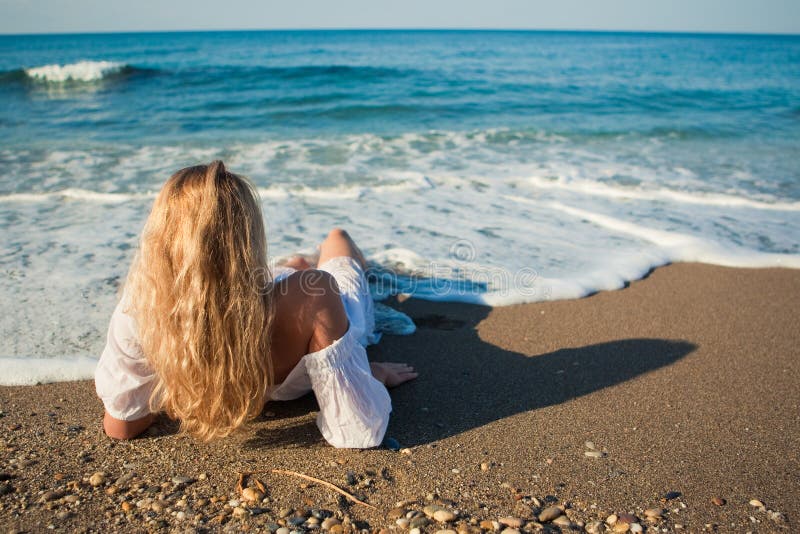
408, 29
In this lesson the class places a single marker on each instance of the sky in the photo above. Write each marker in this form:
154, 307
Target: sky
746, 16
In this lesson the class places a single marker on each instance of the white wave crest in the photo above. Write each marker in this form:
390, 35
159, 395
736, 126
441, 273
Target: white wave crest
82, 71
600, 189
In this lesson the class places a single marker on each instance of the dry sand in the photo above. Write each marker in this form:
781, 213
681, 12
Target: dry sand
687, 382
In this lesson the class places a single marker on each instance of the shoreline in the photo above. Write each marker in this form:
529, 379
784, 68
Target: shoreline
686, 382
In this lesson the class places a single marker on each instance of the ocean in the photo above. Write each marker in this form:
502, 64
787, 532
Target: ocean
477, 166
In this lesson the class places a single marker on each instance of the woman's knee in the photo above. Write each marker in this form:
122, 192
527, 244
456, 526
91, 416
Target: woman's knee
338, 234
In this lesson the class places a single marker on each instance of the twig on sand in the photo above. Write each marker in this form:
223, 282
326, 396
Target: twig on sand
334, 487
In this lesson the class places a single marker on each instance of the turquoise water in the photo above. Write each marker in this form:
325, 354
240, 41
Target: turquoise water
513, 166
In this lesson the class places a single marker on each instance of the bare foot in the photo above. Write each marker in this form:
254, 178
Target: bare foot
392, 374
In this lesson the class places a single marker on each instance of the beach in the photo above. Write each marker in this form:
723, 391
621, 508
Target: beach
677, 395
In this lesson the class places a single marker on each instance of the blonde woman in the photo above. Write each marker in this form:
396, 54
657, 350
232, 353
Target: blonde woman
204, 333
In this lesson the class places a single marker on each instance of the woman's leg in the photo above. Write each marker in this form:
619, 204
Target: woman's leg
339, 243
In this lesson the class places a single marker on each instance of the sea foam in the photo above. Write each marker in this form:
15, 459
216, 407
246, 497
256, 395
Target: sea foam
82, 71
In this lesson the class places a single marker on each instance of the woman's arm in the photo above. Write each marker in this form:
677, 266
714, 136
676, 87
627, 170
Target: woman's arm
119, 429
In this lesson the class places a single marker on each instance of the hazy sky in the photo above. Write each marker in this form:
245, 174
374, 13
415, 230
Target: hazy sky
43, 16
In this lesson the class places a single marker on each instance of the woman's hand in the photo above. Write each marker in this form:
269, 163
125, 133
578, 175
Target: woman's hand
392, 374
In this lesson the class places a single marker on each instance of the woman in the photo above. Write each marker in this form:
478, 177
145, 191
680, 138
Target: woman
204, 333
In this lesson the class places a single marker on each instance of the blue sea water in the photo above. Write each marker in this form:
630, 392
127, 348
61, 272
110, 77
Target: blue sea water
481, 166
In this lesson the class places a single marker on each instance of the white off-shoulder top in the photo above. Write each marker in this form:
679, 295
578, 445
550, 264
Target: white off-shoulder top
354, 406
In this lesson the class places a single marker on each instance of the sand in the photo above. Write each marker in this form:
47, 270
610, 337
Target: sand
686, 382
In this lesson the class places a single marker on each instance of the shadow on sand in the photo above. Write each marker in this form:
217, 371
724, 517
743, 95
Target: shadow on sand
466, 383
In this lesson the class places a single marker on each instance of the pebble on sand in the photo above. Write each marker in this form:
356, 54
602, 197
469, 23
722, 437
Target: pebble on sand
252, 494
594, 527
549, 513
653, 514
562, 521
757, 503
444, 516
718, 501
512, 522
97, 479
489, 525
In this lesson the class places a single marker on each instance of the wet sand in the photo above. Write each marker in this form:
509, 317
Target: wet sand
687, 384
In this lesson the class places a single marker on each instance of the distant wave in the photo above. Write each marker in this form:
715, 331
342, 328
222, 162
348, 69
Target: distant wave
276, 192
77, 194
82, 72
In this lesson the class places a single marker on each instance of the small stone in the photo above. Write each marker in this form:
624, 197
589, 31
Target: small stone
622, 527
636, 527
64, 514
431, 509
484, 466
126, 507
285, 512
627, 518
718, 501
516, 522
510, 531
97, 479
611, 520
282, 530
653, 513
594, 527
419, 522
396, 513
415, 530
296, 521
182, 480
202, 476
562, 521
549, 513
672, 495
337, 529
757, 503
444, 516
776, 516
51, 496
252, 495
590, 445
406, 451
329, 522
593, 454
488, 525
446, 531
402, 522
237, 512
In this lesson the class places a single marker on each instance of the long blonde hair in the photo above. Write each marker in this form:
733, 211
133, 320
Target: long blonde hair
197, 290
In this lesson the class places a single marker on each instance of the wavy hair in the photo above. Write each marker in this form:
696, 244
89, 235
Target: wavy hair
203, 324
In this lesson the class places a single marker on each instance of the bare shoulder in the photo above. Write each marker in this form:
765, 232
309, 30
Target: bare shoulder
311, 300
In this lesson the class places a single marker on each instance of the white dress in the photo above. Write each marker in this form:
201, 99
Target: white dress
354, 406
